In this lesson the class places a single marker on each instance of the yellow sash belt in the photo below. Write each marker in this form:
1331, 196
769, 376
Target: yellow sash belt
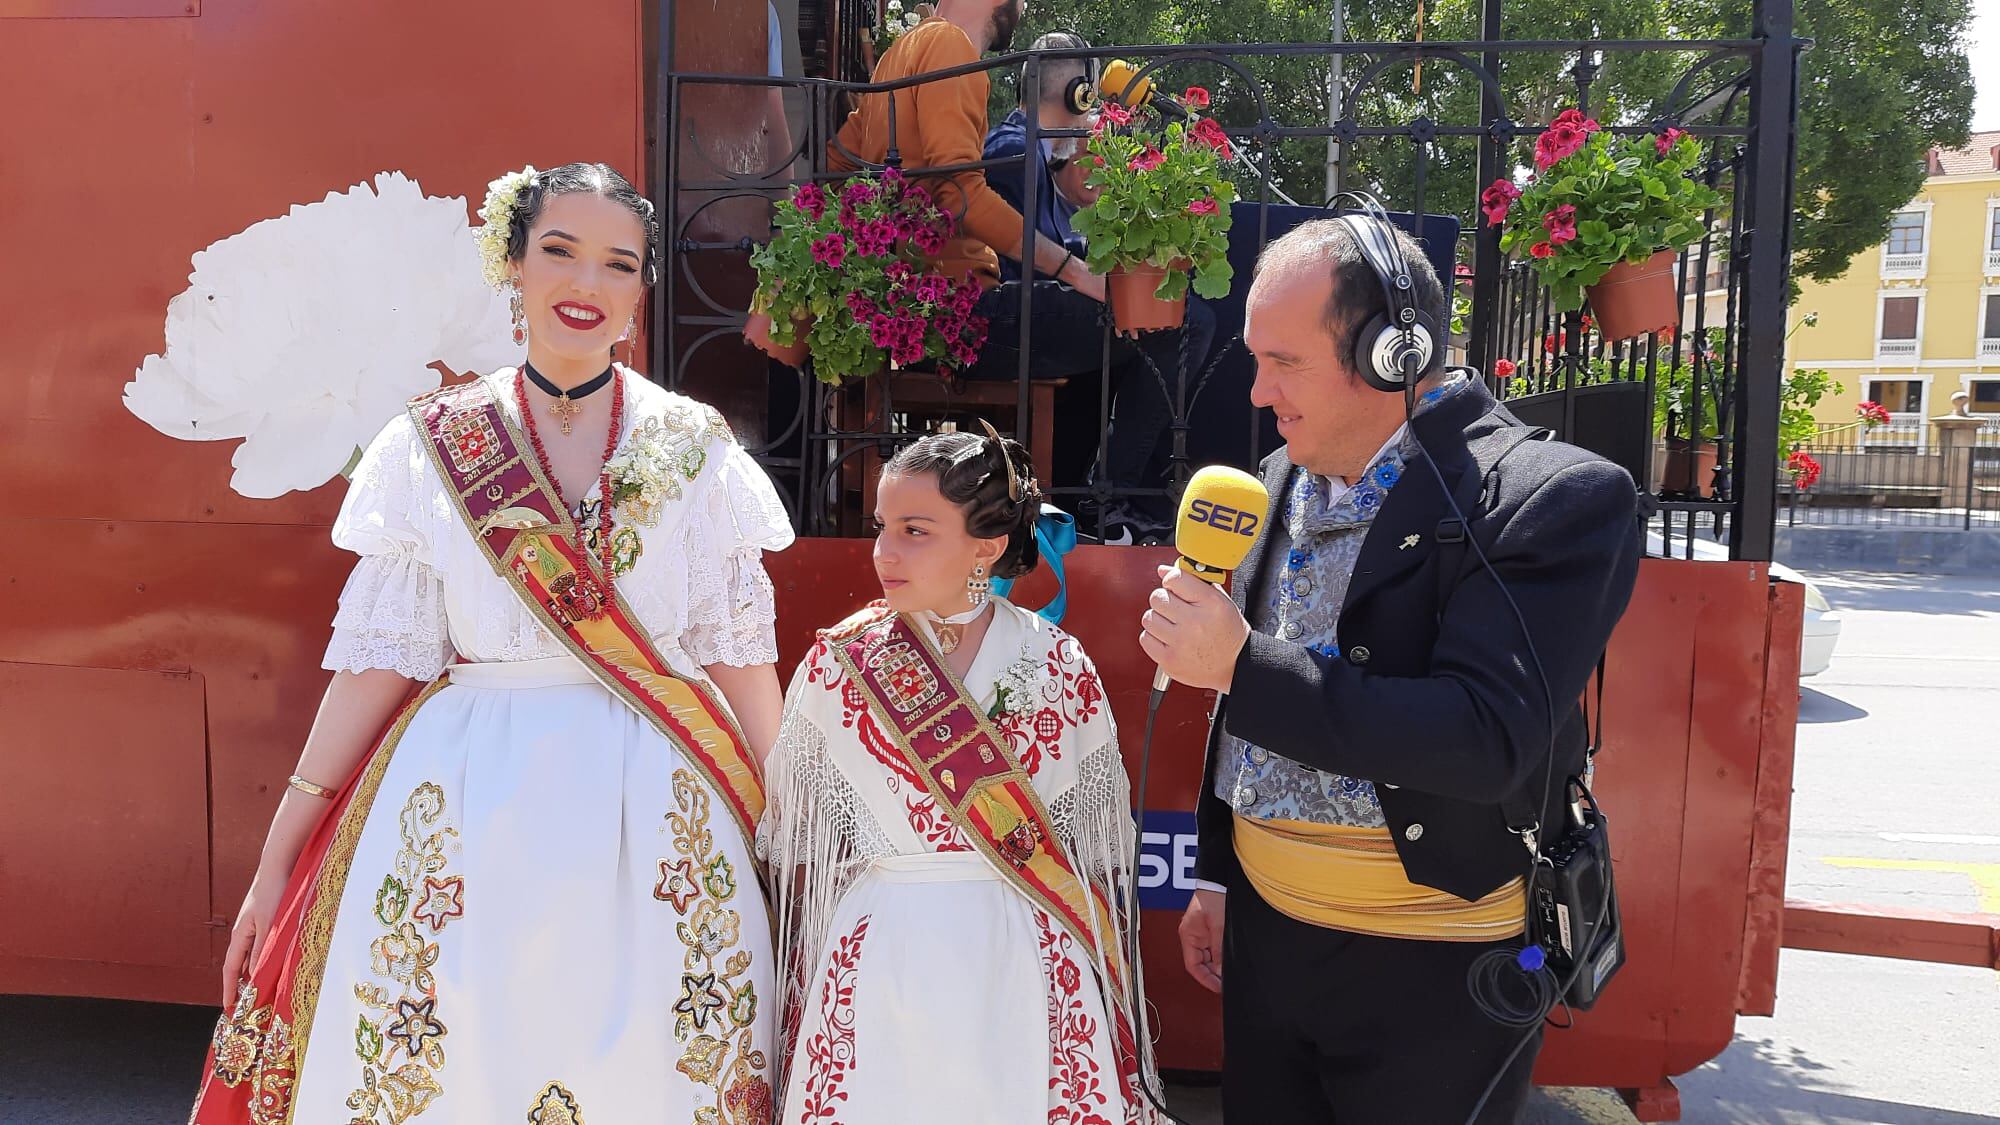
1351, 879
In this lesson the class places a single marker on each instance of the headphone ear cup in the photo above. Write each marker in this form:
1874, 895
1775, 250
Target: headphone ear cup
1379, 349
1078, 95
1370, 343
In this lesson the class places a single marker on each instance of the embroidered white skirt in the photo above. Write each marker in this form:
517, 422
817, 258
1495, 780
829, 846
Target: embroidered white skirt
549, 918
944, 995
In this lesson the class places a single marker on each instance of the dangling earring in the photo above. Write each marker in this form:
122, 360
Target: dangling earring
518, 307
978, 588
630, 339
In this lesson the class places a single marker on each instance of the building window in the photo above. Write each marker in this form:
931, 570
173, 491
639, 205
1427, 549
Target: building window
1898, 335
1898, 396
1905, 400
1989, 332
1906, 233
1904, 253
1985, 395
1993, 239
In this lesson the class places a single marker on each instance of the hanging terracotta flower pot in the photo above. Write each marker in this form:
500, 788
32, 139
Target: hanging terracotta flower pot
757, 330
1636, 300
1133, 306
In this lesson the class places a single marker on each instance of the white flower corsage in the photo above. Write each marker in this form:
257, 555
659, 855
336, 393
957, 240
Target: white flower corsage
1015, 689
503, 199
645, 473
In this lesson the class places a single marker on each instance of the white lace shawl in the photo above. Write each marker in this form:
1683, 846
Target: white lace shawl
423, 590
818, 833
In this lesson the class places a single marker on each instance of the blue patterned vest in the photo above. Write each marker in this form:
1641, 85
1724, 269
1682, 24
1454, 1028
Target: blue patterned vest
1314, 549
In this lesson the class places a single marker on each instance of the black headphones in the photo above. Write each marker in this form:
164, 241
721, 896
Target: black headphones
1079, 93
1398, 344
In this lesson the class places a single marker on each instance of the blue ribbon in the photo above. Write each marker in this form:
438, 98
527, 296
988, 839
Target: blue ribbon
1055, 534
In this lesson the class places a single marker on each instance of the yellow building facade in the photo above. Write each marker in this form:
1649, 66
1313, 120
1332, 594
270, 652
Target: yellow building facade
1918, 317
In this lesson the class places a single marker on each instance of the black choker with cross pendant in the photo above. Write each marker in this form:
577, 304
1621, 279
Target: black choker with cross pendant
564, 408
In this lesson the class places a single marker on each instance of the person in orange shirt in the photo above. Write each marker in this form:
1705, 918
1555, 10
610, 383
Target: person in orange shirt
942, 123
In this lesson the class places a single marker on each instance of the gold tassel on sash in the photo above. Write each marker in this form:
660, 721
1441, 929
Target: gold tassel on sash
1351, 879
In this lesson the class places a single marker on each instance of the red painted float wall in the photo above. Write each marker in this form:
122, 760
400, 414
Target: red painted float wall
160, 635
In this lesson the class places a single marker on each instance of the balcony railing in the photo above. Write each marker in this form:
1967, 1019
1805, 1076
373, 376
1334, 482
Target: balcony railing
1989, 348
1904, 265
1993, 263
1890, 349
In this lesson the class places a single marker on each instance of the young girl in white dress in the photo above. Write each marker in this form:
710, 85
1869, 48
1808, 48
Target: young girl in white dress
529, 895
948, 831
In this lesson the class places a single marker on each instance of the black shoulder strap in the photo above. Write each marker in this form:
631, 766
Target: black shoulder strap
1470, 498
1452, 536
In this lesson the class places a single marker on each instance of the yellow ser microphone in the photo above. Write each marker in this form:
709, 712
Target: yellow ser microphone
1222, 514
1121, 83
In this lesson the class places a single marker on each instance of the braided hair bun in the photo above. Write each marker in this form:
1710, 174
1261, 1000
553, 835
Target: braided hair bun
991, 480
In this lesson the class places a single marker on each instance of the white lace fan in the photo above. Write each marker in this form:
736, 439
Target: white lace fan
306, 333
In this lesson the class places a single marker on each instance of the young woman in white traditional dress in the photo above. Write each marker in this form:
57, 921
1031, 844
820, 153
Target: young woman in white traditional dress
530, 895
948, 828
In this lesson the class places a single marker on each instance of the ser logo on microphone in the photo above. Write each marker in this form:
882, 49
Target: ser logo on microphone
1236, 521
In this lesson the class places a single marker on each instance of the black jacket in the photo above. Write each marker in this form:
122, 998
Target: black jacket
1434, 697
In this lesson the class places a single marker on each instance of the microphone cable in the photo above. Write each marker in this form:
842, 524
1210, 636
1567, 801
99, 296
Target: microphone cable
1136, 995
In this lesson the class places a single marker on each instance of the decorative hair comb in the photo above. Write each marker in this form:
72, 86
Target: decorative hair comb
1013, 480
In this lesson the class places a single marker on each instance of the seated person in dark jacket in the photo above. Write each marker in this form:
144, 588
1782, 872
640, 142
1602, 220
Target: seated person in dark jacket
1068, 338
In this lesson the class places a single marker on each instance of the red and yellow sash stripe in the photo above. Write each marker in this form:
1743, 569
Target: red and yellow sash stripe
969, 769
511, 508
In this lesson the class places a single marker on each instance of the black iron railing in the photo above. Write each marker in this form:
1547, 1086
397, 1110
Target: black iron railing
1936, 476
1702, 399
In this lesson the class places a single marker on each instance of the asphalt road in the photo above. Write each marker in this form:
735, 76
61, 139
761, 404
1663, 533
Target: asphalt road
1897, 802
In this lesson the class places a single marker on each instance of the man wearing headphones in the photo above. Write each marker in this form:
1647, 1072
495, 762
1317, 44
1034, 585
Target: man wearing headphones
1388, 738
1068, 340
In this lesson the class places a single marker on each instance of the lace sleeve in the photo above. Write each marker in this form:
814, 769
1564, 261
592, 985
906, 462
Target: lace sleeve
392, 613
732, 610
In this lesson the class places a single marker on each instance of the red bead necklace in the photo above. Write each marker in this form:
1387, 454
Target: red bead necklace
604, 478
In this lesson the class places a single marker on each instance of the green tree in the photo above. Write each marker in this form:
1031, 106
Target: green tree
1882, 84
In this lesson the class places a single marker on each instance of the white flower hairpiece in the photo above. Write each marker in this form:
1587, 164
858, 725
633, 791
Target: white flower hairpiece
503, 200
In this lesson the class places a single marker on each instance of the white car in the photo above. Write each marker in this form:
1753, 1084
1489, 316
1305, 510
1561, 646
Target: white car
1822, 621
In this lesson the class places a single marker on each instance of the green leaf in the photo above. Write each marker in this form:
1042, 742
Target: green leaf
1213, 283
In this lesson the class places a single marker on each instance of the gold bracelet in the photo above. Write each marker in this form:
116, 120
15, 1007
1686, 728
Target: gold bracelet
310, 789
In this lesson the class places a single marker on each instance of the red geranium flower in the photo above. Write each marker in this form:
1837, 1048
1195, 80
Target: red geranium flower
1196, 97
811, 199
830, 251
1111, 113
1558, 142
1575, 119
1805, 469
858, 193
1204, 207
1498, 197
1209, 133
1561, 224
1587, 322
1542, 250
1666, 141
1504, 368
1147, 161
1555, 342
